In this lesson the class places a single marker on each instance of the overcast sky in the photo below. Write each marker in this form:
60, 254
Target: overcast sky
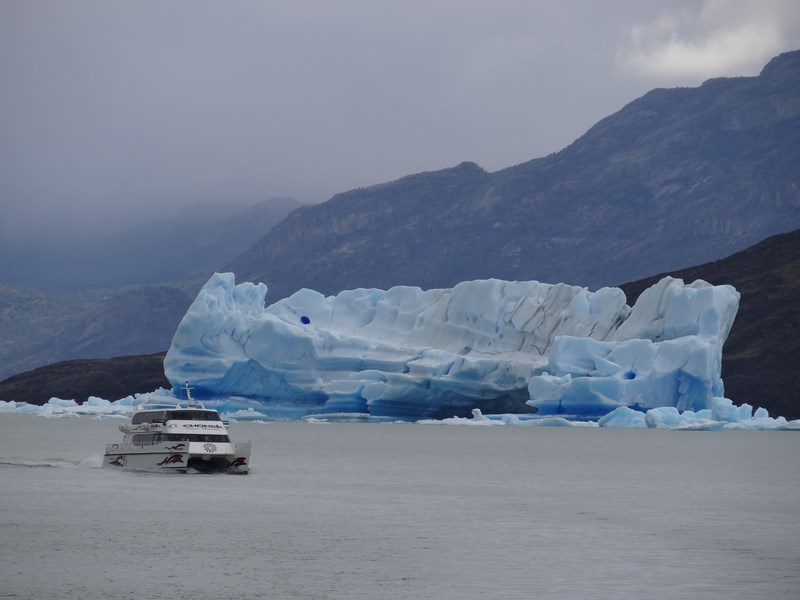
129, 108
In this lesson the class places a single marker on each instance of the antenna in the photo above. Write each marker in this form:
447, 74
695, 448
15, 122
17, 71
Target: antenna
189, 398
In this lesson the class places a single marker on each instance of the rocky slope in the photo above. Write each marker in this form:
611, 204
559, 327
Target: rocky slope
675, 178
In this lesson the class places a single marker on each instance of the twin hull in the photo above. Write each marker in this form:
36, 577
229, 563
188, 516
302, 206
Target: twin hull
204, 457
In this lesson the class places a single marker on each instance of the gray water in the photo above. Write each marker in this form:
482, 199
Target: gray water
405, 511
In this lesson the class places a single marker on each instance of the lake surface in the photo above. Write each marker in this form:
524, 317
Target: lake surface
388, 511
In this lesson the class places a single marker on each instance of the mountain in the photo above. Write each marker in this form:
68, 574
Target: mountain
99, 298
675, 178
189, 245
39, 329
760, 364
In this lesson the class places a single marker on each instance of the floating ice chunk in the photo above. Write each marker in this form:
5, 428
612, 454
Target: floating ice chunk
669, 417
97, 402
248, 414
19, 407
623, 417
479, 419
722, 415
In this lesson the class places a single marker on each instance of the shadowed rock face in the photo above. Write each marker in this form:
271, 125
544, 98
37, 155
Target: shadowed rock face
111, 378
676, 178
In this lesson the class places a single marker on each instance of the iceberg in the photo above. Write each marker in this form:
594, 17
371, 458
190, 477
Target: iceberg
501, 347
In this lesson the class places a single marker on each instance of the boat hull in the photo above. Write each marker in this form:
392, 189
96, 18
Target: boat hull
180, 458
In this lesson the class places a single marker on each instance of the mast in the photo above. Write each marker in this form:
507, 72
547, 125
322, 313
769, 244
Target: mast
189, 399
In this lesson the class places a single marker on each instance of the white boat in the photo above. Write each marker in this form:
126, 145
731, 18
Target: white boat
178, 437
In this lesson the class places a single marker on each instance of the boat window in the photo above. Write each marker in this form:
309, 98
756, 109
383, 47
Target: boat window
195, 437
148, 416
193, 415
141, 439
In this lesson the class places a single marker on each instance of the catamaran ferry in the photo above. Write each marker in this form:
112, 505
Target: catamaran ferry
178, 437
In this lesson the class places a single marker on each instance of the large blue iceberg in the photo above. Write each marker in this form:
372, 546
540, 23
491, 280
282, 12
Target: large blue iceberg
495, 346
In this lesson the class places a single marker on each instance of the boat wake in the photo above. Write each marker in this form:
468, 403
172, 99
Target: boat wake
91, 462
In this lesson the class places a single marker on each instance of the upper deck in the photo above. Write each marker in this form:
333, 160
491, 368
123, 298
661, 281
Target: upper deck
162, 415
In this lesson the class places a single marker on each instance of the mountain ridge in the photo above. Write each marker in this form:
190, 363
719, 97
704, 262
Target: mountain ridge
675, 178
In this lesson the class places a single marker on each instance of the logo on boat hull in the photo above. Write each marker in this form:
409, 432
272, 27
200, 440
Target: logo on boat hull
172, 459
120, 461
176, 447
239, 461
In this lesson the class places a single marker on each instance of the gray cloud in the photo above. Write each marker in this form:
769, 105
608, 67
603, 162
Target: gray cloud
128, 108
713, 38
